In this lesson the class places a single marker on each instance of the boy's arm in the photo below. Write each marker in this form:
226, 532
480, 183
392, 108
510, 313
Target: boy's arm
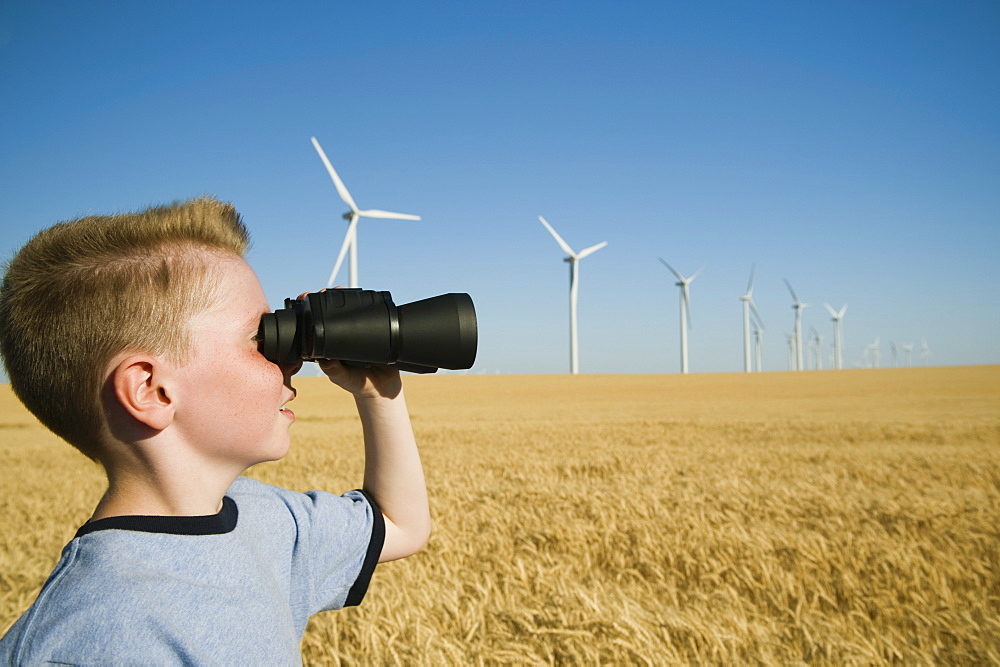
394, 477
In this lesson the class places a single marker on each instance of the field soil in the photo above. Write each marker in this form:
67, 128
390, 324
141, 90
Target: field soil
824, 517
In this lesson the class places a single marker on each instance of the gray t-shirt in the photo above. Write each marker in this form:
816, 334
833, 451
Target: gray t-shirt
236, 587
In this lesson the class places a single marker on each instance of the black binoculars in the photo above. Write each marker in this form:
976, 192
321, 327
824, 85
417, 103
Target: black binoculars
364, 327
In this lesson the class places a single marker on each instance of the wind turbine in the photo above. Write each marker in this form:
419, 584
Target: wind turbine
685, 310
573, 259
351, 238
748, 304
925, 350
876, 352
798, 306
908, 352
838, 332
818, 347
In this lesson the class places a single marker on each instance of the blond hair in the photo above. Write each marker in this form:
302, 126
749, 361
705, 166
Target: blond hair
81, 292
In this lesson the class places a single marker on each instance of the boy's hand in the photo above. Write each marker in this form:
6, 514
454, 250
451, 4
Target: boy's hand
372, 382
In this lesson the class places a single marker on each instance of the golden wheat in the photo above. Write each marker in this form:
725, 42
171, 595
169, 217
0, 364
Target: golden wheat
836, 517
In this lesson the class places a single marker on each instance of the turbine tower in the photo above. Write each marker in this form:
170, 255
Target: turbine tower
838, 340
685, 310
748, 305
758, 335
573, 259
351, 238
798, 306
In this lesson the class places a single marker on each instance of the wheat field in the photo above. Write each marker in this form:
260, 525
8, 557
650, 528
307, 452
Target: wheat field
847, 517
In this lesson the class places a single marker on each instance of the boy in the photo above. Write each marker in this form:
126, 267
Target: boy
134, 338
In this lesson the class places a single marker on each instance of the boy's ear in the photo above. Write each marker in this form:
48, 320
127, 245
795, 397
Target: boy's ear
140, 385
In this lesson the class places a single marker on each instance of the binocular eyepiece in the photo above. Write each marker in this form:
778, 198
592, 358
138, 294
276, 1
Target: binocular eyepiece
364, 327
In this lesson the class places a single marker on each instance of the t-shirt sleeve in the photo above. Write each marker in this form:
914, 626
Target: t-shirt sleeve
335, 547
375, 543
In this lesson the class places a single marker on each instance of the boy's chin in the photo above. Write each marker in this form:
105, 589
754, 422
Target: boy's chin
274, 453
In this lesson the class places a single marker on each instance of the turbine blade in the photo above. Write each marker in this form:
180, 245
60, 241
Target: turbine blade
375, 213
591, 250
753, 269
695, 274
687, 304
792, 291
559, 240
753, 308
832, 312
339, 184
672, 269
843, 310
348, 239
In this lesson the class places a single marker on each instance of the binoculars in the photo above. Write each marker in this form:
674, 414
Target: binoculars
364, 328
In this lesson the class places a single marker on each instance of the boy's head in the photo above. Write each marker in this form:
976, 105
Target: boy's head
81, 292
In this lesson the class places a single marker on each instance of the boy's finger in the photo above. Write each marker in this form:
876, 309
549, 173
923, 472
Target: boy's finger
329, 365
305, 294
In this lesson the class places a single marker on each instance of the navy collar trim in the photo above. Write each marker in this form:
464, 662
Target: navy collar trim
210, 524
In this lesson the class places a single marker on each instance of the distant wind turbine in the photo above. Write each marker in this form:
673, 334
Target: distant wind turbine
351, 238
748, 305
838, 335
685, 310
573, 259
876, 352
908, 353
818, 347
798, 306
925, 350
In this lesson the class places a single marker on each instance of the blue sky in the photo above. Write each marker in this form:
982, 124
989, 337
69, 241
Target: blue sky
850, 147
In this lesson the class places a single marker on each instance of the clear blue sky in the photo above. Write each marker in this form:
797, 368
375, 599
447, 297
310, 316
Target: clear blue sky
850, 147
